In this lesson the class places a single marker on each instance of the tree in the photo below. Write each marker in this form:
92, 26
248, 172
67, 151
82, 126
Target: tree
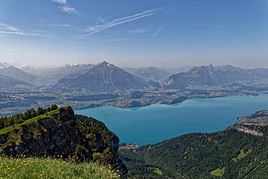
54, 107
33, 113
40, 111
27, 115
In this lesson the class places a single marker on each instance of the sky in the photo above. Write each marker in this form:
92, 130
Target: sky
134, 33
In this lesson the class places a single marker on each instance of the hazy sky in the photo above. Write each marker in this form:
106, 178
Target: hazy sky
161, 33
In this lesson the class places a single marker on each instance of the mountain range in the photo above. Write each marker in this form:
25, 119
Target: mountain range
50, 76
9, 83
214, 76
103, 77
16, 73
150, 73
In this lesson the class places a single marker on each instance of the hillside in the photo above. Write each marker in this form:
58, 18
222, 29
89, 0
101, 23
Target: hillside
32, 168
16, 73
149, 73
214, 76
59, 133
102, 77
50, 76
240, 151
9, 83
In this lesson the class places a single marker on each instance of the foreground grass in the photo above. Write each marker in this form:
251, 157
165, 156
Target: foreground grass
32, 168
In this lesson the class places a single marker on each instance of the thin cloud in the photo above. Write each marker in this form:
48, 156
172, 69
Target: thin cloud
65, 7
122, 20
157, 32
7, 28
69, 10
60, 1
11, 30
137, 31
56, 25
124, 39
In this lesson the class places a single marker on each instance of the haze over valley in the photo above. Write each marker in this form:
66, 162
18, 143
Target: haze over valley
89, 85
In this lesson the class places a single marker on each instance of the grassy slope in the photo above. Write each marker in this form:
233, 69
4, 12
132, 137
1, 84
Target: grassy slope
32, 168
28, 122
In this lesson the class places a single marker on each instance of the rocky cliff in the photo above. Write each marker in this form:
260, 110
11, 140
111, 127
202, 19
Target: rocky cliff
62, 134
253, 124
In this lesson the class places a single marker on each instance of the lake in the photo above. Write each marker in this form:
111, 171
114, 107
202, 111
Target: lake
154, 123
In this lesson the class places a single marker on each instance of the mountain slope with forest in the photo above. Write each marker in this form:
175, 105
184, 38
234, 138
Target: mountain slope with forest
240, 151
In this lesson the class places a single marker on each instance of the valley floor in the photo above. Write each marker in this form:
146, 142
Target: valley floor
12, 102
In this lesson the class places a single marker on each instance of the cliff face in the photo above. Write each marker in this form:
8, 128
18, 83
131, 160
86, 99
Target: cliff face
64, 134
253, 124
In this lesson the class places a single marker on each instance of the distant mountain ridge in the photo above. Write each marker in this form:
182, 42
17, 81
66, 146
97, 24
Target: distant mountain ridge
9, 83
16, 73
50, 76
102, 77
105, 77
150, 73
213, 76
4, 65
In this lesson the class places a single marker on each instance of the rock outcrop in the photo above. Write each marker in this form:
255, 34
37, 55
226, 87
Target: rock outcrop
252, 124
64, 135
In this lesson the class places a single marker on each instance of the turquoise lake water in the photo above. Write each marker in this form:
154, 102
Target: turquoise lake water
154, 123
